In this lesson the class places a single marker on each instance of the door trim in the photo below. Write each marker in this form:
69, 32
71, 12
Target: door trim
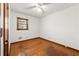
4, 36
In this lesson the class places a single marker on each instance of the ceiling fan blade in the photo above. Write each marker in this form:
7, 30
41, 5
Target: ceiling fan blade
42, 10
31, 7
46, 4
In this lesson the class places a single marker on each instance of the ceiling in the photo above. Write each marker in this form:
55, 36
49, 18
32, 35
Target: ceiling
48, 9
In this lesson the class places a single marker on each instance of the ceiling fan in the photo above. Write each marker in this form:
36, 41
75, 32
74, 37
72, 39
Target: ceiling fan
39, 6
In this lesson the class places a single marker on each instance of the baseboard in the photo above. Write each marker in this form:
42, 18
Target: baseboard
46, 40
25, 40
59, 44
51, 41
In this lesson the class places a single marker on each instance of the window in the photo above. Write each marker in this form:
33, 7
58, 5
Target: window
22, 23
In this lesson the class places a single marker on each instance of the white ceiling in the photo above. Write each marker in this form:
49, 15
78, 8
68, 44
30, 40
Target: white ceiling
48, 9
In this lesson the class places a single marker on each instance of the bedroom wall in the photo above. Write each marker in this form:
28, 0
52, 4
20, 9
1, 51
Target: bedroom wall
33, 24
0, 37
62, 27
1, 25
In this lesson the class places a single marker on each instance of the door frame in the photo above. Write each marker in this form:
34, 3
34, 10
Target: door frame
5, 40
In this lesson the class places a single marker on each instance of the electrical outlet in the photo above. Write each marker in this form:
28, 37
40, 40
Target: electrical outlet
19, 37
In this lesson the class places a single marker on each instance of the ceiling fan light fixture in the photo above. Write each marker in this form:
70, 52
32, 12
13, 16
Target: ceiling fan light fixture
39, 10
44, 7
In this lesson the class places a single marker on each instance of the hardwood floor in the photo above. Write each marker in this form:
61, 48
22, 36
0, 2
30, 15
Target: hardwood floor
41, 47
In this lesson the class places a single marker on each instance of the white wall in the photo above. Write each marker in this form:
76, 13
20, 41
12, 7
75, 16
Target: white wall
0, 20
33, 24
0, 38
62, 27
1, 25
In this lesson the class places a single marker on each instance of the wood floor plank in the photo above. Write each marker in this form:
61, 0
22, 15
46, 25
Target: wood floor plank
40, 47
